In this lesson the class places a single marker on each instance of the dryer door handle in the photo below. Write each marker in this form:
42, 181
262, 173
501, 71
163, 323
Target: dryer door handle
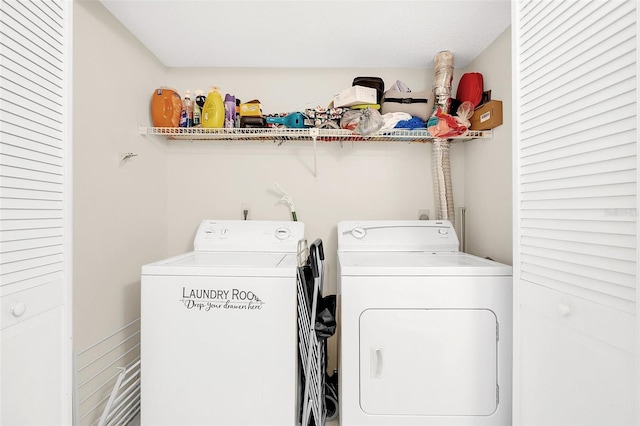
376, 363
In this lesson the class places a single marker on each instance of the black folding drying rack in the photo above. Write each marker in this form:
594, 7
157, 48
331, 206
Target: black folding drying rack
311, 347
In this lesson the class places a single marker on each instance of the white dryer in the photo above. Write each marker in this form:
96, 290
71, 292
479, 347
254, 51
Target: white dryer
218, 328
425, 330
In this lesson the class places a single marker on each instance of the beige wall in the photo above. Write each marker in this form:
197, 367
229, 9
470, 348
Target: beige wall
487, 163
120, 208
355, 181
126, 215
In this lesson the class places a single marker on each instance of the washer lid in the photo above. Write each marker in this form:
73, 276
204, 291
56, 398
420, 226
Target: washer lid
418, 263
253, 264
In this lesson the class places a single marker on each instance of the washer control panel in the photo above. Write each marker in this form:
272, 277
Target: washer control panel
248, 235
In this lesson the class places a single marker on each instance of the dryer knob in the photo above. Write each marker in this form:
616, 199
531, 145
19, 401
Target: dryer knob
283, 233
443, 231
358, 232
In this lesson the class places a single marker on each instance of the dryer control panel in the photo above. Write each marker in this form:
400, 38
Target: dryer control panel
248, 236
397, 235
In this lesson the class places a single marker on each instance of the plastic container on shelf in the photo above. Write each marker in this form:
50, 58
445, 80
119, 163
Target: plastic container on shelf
186, 116
229, 111
200, 98
166, 107
198, 102
237, 120
213, 110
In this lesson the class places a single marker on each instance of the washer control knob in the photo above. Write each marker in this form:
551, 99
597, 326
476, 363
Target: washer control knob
18, 309
358, 233
283, 233
443, 231
563, 310
224, 233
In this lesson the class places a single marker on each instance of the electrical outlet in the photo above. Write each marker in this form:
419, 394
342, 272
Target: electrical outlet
423, 214
245, 211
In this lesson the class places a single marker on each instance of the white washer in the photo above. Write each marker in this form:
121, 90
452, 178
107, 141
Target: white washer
219, 332
425, 330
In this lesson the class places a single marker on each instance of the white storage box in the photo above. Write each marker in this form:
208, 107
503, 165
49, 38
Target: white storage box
355, 95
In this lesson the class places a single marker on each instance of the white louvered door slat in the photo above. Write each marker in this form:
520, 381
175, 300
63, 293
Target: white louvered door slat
32, 104
576, 212
51, 145
590, 71
35, 205
34, 185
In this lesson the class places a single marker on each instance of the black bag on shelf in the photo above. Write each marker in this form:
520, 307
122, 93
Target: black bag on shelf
373, 82
253, 122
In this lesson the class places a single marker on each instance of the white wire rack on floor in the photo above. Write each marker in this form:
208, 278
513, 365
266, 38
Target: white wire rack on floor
124, 402
98, 373
311, 349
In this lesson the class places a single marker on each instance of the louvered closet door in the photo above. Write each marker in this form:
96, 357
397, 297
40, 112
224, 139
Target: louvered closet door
576, 215
34, 213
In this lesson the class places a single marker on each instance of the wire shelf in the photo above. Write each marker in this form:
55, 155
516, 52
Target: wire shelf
307, 134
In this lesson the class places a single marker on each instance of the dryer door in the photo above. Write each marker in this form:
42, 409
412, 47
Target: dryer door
430, 362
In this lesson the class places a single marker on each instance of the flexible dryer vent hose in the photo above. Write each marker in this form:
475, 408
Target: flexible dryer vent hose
441, 167
442, 79
443, 192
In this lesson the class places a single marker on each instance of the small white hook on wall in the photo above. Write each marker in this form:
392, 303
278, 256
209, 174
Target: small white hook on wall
126, 156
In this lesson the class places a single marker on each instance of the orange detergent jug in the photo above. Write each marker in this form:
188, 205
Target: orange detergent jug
166, 107
212, 115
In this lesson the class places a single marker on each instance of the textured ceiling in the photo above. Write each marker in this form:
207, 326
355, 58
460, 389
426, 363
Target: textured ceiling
312, 33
